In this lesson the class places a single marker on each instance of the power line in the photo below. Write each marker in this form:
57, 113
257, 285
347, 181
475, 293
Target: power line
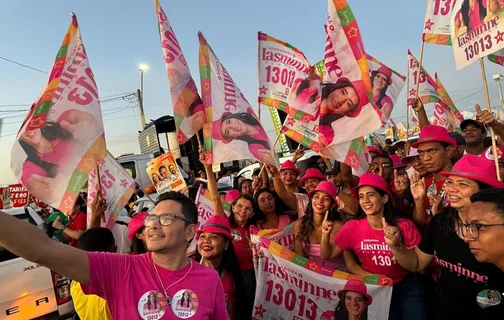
23, 65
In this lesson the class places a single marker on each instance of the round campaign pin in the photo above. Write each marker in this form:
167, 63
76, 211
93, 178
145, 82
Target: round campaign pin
152, 305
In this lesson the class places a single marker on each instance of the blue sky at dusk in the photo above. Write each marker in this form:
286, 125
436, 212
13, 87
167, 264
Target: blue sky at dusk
119, 35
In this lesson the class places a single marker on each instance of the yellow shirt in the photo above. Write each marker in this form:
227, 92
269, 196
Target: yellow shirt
88, 306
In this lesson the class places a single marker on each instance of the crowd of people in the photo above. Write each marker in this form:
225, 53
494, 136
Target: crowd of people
428, 215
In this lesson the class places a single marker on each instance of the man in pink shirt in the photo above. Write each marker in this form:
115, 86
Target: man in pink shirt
161, 284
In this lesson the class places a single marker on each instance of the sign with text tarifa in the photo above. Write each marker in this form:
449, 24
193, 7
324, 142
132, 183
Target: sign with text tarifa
477, 30
437, 21
292, 287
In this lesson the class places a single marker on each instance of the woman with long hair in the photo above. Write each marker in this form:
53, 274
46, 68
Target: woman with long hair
364, 236
246, 127
473, 13
381, 79
152, 303
308, 229
354, 301
460, 277
215, 246
137, 235
270, 210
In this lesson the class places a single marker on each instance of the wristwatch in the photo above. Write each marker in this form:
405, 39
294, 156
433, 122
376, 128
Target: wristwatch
63, 228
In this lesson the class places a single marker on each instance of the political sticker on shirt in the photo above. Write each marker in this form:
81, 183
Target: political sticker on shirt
152, 305
237, 236
489, 298
489, 153
185, 303
165, 175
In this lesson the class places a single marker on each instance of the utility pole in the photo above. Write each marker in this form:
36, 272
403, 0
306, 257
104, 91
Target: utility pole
498, 78
140, 105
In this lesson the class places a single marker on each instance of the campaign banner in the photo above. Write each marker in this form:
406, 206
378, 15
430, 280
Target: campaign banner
284, 237
353, 153
290, 286
283, 70
165, 175
427, 88
497, 57
386, 86
304, 133
14, 196
437, 22
62, 139
440, 117
454, 115
477, 30
346, 108
235, 132
117, 186
205, 211
188, 108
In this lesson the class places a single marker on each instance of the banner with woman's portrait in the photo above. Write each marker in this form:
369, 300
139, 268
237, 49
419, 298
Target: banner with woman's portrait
235, 132
292, 287
477, 30
165, 175
346, 106
62, 138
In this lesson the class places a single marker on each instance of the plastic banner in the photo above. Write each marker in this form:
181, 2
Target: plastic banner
477, 30
427, 89
346, 107
235, 132
165, 175
117, 188
437, 21
188, 108
454, 116
62, 138
284, 237
292, 287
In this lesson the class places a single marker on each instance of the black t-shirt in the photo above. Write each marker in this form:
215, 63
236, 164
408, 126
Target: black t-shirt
464, 286
302, 190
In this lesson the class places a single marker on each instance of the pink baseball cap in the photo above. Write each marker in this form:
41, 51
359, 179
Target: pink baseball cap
232, 195
327, 187
356, 285
136, 224
289, 165
386, 71
412, 154
217, 224
312, 173
397, 162
372, 180
374, 149
473, 167
433, 133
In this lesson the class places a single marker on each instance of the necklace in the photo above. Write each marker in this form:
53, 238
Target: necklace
165, 290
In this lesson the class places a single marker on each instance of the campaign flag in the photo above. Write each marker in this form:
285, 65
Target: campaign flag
165, 175
290, 286
437, 22
62, 139
454, 116
440, 116
284, 237
346, 108
353, 153
205, 211
283, 67
476, 32
497, 57
117, 186
188, 108
235, 132
304, 133
427, 89
277, 123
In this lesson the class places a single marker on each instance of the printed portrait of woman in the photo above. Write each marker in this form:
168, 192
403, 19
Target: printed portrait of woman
158, 181
341, 99
152, 304
49, 148
474, 13
245, 127
305, 96
185, 302
354, 301
381, 79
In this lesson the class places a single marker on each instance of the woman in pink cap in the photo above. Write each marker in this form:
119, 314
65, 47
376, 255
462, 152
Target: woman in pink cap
354, 301
381, 79
136, 234
245, 127
308, 229
289, 174
365, 237
460, 277
215, 246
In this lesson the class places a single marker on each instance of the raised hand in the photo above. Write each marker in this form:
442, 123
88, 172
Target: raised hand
327, 225
484, 116
417, 105
391, 234
418, 190
298, 154
435, 202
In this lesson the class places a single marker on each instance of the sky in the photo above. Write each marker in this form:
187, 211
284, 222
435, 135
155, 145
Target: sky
121, 34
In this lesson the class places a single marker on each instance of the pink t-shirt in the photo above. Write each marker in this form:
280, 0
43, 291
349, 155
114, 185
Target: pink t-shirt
474, 16
369, 245
255, 147
241, 244
384, 101
132, 288
283, 221
337, 263
229, 288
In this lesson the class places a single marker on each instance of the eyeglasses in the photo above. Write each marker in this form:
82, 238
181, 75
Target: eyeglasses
474, 229
383, 165
246, 209
164, 219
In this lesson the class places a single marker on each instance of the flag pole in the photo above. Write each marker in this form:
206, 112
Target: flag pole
419, 68
258, 78
272, 148
99, 191
407, 106
489, 108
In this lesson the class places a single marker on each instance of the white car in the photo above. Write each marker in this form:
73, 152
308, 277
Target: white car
28, 290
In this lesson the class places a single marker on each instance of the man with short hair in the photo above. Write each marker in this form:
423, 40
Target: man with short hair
458, 152
474, 135
150, 285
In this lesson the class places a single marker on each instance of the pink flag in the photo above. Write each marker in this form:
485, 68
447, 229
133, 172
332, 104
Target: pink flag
235, 132
346, 108
187, 105
427, 89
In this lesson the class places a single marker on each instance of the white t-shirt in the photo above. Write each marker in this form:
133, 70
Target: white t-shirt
120, 232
